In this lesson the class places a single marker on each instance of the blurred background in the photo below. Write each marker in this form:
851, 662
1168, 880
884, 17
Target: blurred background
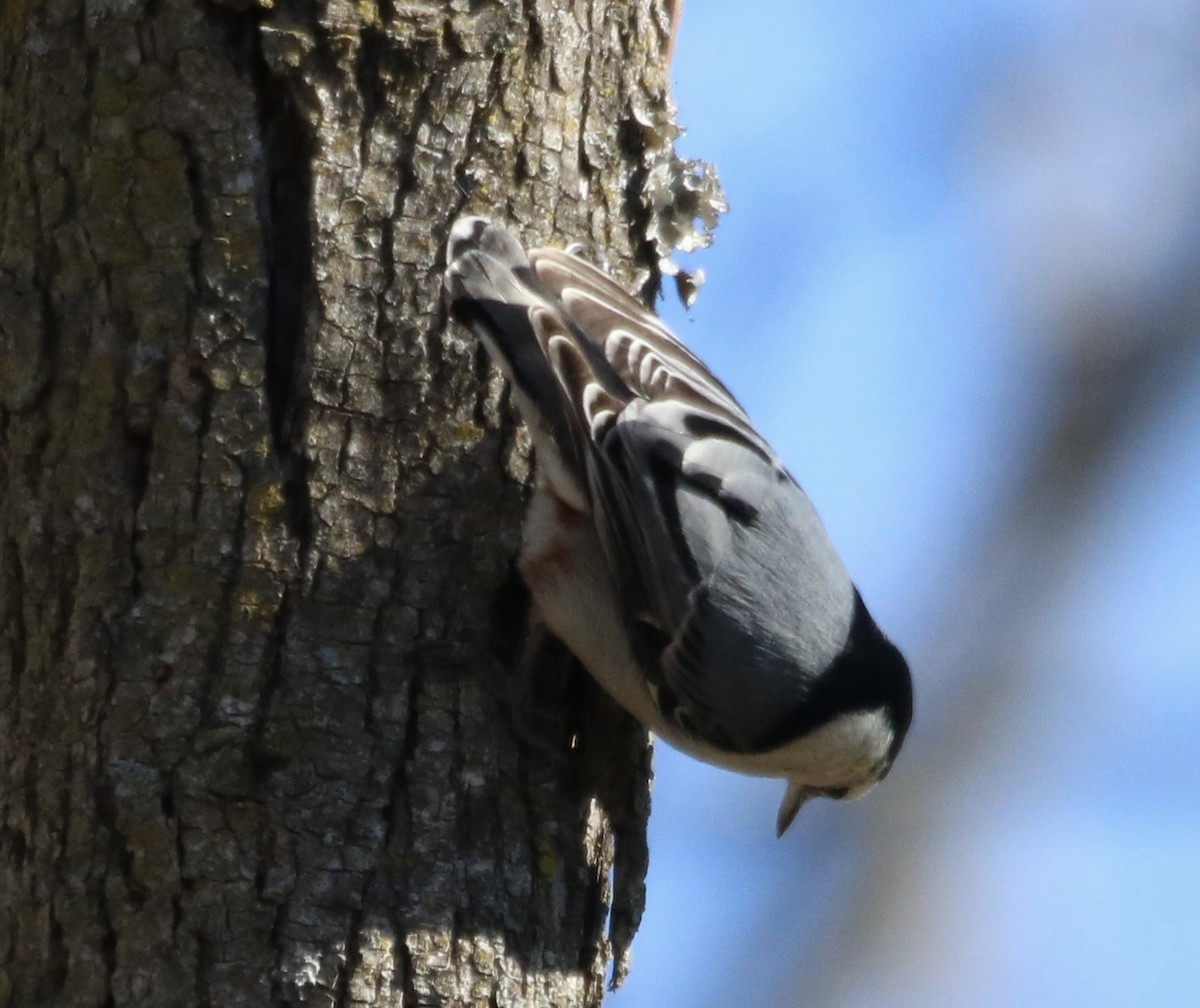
958, 290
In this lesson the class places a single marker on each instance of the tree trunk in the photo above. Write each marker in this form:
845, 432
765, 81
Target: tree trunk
259, 623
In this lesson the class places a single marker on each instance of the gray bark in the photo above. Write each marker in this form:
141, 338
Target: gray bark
258, 615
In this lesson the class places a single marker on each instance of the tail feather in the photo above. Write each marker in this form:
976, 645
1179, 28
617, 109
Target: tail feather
576, 347
491, 288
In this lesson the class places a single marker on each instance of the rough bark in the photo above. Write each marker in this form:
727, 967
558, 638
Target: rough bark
258, 616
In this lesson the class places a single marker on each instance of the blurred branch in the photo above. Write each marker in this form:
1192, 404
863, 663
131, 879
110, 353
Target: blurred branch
1111, 374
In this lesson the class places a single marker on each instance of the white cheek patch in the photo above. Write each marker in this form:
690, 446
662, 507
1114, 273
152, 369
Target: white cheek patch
847, 752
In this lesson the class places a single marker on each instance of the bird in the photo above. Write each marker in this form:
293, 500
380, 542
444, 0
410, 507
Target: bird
665, 543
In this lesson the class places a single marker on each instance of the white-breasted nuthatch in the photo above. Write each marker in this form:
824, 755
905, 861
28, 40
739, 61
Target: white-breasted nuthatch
667, 546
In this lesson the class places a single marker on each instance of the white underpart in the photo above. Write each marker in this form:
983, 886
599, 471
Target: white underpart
846, 753
567, 574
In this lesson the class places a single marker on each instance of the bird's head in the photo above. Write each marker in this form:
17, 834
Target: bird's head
867, 699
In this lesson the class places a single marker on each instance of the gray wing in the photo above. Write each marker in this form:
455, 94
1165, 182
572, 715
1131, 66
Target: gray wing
735, 594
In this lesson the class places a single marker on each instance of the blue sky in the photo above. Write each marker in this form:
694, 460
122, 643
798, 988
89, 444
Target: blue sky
932, 203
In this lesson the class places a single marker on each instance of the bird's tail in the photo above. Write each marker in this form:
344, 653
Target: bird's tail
491, 289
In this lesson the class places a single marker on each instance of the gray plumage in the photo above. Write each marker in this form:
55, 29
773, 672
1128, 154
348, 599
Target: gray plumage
667, 545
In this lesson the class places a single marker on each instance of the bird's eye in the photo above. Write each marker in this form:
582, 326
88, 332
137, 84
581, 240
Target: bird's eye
836, 792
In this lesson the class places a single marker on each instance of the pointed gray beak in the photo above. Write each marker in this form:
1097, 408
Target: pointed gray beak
795, 796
